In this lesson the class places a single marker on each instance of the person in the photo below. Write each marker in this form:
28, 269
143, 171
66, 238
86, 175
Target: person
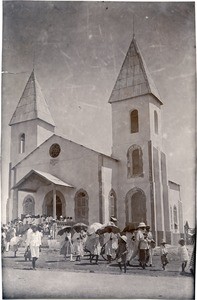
183, 254
3, 240
152, 245
130, 244
77, 240
139, 235
34, 243
15, 243
143, 251
111, 244
93, 246
163, 253
67, 246
121, 252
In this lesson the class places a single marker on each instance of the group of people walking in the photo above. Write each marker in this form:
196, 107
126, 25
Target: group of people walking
95, 240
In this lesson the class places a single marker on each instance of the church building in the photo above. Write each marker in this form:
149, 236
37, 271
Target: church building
52, 175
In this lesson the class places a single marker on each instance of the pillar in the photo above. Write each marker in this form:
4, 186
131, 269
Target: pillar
54, 201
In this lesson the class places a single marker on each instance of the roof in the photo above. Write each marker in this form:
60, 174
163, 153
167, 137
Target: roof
55, 135
32, 104
134, 78
31, 181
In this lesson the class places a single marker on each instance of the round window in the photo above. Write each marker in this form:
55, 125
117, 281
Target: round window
54, 150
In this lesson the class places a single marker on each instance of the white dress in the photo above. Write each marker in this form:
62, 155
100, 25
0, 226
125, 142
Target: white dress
183, 253
34, 243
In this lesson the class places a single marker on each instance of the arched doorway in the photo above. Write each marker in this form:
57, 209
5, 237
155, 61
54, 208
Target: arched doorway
60, 204
135, 206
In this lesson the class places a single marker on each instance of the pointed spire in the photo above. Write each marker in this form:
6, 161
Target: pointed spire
134, 78
32, 104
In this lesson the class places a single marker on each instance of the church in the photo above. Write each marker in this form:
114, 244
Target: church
51, 175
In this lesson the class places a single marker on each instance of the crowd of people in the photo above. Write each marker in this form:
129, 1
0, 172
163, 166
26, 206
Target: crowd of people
77, 240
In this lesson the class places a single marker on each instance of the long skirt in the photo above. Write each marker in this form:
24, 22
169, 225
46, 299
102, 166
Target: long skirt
67, 248
34, 251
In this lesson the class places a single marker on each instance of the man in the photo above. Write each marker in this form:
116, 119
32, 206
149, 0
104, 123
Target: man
151, 243
34, 243
139, 237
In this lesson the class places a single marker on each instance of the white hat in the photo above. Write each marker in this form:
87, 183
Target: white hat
124, 238
141, 225
113, 219
163, 241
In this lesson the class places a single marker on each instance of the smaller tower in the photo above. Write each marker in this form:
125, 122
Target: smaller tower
31, 123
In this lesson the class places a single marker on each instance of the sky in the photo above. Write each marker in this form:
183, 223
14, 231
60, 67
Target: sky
77, 49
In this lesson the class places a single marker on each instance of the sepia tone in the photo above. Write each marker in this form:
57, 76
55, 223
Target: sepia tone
67, 165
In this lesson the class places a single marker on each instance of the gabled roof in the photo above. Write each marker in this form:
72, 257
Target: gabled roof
31, 181
55, 135
32, 104
134, 78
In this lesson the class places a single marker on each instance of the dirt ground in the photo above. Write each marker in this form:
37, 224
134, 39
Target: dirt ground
52, 262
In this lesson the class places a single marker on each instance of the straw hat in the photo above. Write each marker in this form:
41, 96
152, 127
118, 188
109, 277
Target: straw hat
142, 225
124, 238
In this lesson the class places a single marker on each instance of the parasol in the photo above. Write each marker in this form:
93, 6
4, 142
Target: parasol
94, 227
109, 229
131, 227
64, 229
80, 226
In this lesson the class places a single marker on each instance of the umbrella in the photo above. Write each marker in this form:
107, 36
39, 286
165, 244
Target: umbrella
109, 228
64, 229
80, 226
131, 227
94, 227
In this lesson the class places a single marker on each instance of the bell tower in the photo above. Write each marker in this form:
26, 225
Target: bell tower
31, 123
137, 143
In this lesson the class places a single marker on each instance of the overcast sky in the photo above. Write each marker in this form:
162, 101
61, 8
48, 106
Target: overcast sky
79, 49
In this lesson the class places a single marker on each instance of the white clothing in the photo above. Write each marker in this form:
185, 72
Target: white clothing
183, 253
35, 242
163, 250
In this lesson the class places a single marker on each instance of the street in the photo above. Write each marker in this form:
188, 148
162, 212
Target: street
56, 278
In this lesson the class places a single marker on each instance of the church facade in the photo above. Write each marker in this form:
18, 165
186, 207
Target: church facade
52, 175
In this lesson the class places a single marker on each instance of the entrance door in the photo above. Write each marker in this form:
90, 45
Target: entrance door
135, 206
138, 207
49, 207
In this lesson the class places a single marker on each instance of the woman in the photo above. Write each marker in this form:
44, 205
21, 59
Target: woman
15, 242
77, 240
34, 243
93, 246
121, 253
67, 246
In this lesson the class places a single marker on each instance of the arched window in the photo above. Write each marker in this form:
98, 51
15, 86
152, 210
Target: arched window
134, 162
112, 204
175, 217
156, 122
22, 143
29, 205
81, 207
134, 121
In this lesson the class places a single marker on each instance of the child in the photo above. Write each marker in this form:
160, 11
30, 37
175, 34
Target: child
121, 253
143, 251
163, 252
183, 253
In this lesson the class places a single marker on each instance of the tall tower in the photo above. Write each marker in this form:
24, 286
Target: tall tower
137, 142
31, 124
